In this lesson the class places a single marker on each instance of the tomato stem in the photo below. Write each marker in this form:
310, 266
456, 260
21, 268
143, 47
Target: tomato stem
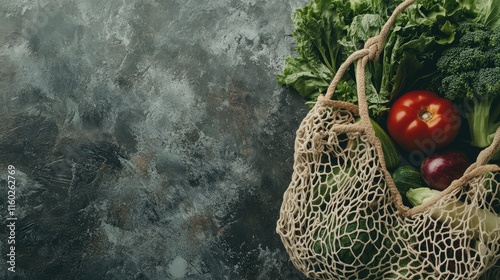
425, 115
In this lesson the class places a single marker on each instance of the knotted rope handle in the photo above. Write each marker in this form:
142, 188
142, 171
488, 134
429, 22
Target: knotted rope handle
372, 49
476, 169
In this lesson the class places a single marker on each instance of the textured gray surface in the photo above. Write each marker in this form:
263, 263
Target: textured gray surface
150, 138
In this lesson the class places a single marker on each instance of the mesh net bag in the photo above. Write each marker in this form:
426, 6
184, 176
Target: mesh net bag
343, 218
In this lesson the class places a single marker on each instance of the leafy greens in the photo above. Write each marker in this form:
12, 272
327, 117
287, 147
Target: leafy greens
328, 31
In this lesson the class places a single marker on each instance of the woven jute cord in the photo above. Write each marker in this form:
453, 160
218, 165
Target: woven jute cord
342, 216
371, 51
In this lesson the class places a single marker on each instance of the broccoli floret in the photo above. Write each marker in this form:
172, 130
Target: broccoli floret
468, 73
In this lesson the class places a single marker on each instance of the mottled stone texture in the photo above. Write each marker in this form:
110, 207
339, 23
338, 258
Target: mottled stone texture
150, 138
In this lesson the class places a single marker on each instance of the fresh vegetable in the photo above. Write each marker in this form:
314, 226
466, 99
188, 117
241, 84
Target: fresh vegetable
328, 31
408, 262
330, 183
354, 238
493, 189
442, 168
420, 120
391, 153
469, 74
352, 244
406, 177
493, 273
455, 213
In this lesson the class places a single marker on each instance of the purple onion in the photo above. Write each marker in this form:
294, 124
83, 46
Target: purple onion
440, 169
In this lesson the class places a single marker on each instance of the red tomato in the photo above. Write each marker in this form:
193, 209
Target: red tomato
422, 121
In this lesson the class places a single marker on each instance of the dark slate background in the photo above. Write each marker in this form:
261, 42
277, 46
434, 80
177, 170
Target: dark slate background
150, 138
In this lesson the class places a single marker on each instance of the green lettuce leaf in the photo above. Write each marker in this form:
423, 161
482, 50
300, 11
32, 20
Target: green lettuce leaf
328, 31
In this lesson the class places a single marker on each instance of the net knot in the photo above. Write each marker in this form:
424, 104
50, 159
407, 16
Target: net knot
374, 47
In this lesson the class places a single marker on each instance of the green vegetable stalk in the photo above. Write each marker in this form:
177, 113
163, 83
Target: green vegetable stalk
457, 214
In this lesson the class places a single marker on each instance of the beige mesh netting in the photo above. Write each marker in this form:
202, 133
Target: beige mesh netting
343, 218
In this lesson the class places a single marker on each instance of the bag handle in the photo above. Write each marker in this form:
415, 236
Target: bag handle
488, 152
372, 49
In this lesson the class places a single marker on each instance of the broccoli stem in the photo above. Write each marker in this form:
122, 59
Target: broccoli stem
479, 123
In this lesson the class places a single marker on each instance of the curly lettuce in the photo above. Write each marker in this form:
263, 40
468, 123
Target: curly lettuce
328, 31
